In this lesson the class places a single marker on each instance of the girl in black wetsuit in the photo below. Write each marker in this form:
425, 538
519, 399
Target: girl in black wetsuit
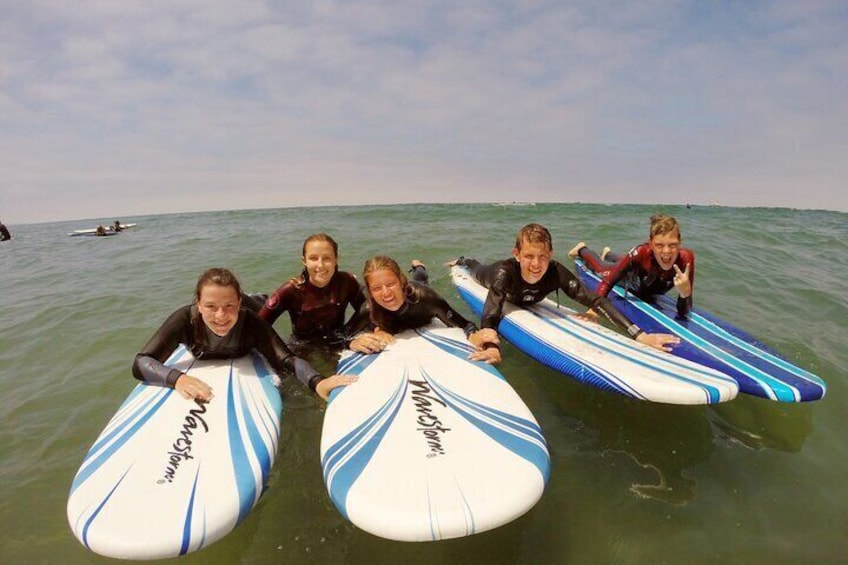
217, 327
318, 299
397, 304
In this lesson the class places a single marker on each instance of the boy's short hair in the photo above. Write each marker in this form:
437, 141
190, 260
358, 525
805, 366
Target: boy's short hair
534, 233
662, 224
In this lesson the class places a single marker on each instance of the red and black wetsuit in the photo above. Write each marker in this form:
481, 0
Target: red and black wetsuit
504, 281
639, 273
250, 332
420, 308
316, 313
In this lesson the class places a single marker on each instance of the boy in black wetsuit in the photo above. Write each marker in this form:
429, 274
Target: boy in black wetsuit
531, 274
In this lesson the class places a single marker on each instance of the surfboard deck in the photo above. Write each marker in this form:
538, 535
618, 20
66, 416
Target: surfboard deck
428, 445
710, 341
599, 356
167, 475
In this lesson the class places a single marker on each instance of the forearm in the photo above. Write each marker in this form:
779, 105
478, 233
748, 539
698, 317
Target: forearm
150, 370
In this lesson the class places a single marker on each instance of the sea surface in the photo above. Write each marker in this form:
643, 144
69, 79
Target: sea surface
750, 481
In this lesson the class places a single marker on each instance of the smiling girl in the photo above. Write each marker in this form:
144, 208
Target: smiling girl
217, 327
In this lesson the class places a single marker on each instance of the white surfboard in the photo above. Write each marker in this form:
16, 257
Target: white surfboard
599, 356
428, 445
167, 475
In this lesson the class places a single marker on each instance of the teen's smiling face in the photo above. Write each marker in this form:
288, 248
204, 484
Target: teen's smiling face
666, 247
534, 259
320, 261
219, 307
385, 288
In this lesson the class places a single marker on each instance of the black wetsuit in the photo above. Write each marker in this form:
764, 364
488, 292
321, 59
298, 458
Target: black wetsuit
4, 233
420, 309
250, 332
640, 273
316, 313
504, 281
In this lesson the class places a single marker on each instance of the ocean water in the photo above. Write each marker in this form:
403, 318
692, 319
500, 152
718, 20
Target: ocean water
750, 481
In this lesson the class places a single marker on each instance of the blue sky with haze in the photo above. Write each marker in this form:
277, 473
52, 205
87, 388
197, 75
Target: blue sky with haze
115, 109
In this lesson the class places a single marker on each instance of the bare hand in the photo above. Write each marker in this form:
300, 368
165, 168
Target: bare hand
372, 342
192, 388
325, 386
588, 316
682, 282
663, 342
484, 336
492, 355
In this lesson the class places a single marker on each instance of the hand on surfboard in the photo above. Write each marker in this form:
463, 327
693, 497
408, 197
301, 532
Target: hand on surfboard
372, 342
487, 343
663, 342
325, 386
192, 388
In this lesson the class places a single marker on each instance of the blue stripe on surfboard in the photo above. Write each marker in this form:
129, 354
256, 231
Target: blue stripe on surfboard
529, 427
508, 430
186, 544
90, 466
458, 349
584, 371
93, 517
345, 460
600, 339
245, 483
548, 354
271, 409
783, 386
254, 434
353, 364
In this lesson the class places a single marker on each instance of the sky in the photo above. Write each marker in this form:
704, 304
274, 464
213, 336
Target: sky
110, 109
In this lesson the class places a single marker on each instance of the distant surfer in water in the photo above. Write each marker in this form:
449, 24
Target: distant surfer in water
4, 233
216, 326
649, 269
117, 226
531, 274
396, 304
318, 298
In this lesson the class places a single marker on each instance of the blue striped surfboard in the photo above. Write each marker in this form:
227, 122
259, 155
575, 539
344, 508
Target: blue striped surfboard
168, 476
428, 445
599, 356
710, 341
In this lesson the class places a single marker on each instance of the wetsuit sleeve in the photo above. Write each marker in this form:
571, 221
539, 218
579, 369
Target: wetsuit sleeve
267, 342
149, 364
448, 316
360, 321
276, 304
615, 274
495, 298
579, 292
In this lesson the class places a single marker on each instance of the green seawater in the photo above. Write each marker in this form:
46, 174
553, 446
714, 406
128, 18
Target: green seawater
750, 481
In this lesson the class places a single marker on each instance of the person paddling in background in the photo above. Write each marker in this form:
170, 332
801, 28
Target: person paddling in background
117, 226
531, 274
215, 326
649, 269
396, 304
4, 232
317, 299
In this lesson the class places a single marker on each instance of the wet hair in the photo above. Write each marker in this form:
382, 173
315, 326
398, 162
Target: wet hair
379, 315
218, 276
662, 224
301, 279
534, 233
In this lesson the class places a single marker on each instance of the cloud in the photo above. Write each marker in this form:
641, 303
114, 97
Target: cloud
158, 107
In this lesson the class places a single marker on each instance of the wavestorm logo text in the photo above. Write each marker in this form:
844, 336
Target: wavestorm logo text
181, 448
429, 423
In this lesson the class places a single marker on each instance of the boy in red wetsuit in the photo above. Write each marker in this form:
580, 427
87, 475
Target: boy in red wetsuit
649, 269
